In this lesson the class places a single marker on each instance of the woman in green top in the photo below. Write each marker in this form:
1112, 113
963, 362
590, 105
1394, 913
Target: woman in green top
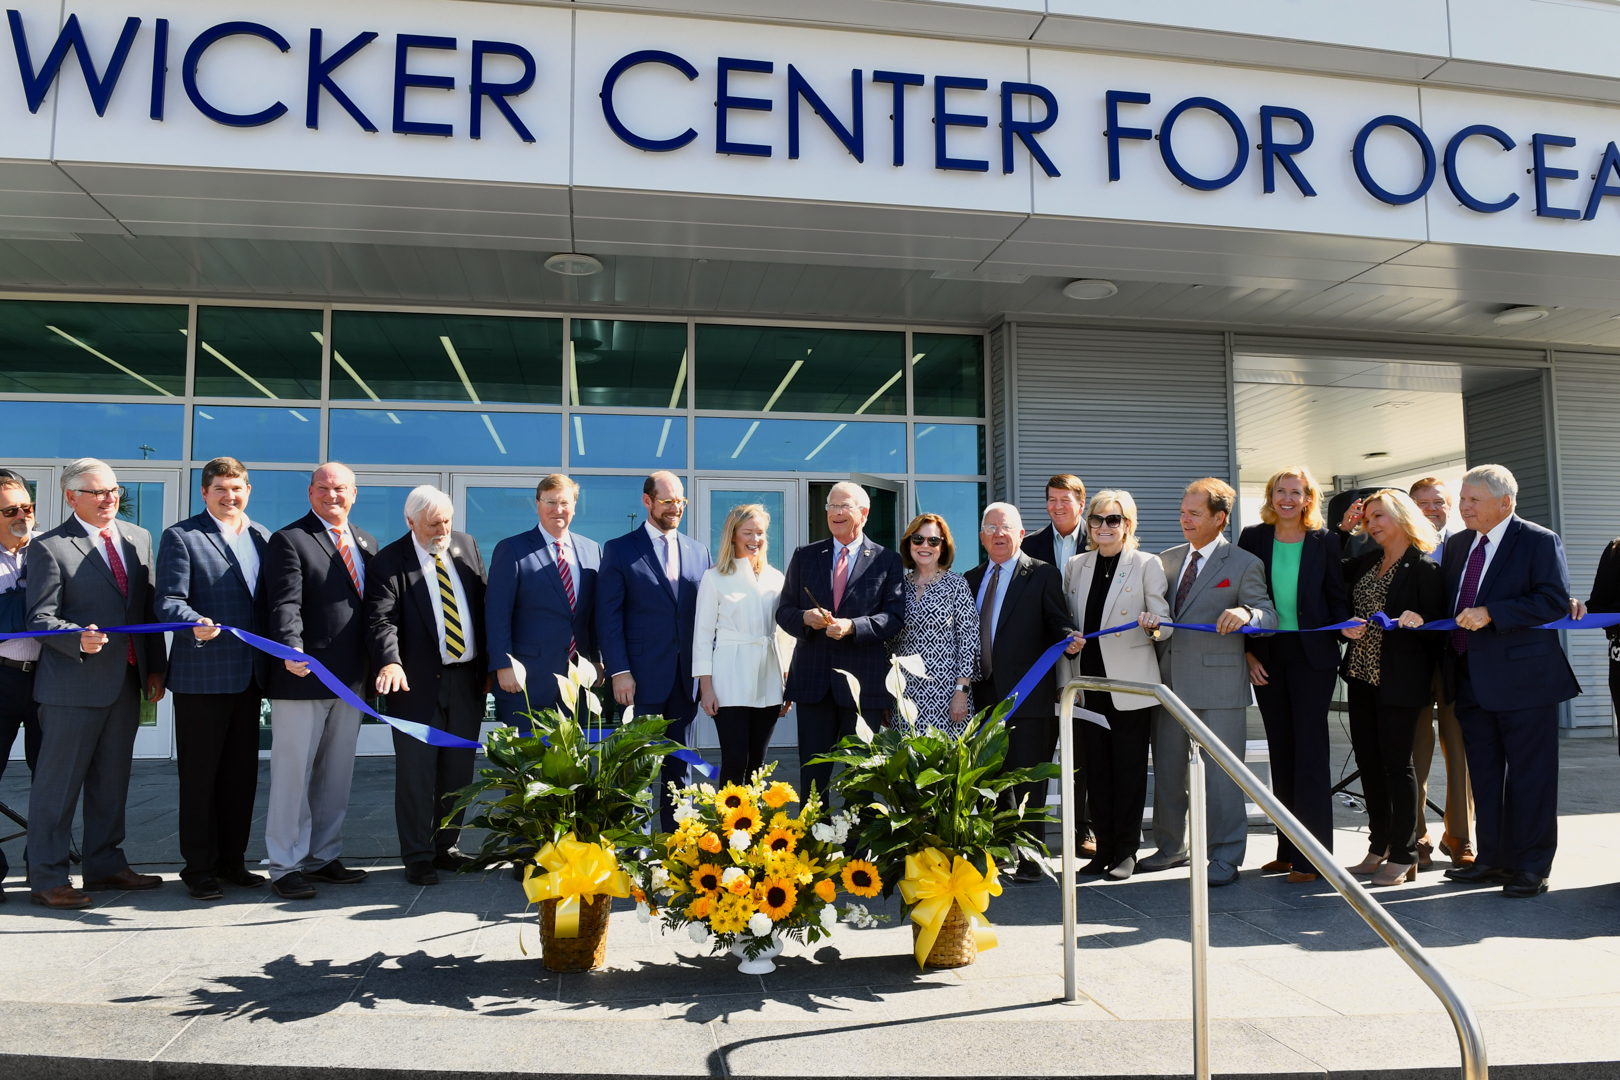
1293, 673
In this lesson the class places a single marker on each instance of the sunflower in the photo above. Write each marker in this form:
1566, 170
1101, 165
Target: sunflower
777, 897
861, 878
706, 879
826, 889
732, 797
781, 841
745, 818
731, 914
779, 794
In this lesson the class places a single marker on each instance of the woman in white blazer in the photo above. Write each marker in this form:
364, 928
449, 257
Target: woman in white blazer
1112, 584
738, 654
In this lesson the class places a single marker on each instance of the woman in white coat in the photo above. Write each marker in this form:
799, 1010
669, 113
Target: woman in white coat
1112, 584
737, 652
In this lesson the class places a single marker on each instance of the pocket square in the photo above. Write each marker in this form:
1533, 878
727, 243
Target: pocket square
1226, 583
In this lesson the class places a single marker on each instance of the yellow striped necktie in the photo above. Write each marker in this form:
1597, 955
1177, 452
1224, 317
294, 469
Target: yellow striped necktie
454, 643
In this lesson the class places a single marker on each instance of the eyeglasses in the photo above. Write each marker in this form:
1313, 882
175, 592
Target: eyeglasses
1112, 521
931, 541
670, 504
25, 509
846, 508
101, 494
999, 530
557, 504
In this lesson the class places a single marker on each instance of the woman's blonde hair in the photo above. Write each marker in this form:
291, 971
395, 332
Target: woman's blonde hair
727, 562
1311, 515
1127, 509
1399, 505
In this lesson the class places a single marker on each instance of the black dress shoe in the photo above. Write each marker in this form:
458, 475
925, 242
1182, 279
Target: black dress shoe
242, 878
335, 873
293, 886
204, 889
451, 861
1525, 885
1478, 873
421, 873
1029, 871
1094, 868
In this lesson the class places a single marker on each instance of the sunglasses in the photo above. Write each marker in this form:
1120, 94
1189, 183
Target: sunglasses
931, 541
26, 509
1112, 521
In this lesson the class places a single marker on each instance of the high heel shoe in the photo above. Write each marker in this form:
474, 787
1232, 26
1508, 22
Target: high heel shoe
1369, 865
1394, 873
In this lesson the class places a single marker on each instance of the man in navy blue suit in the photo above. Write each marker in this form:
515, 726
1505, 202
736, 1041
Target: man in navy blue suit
843, 597
646, 605
1506, 577
209, 571
541, 602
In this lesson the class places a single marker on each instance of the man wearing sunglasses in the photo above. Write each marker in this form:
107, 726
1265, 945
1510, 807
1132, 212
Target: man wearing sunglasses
18, 659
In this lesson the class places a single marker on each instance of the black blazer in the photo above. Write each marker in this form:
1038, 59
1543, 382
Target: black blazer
1606, 587
1406, 658
874, 600
311, 605
400, 628
1323, 597
1039, 546
1034, 616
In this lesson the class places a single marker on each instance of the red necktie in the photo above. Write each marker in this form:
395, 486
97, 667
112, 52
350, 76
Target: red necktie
567, 576
1469, 591
348, 559
1188, 576
119, 575
840, 577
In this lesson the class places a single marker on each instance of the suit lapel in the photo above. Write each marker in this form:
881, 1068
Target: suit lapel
817, 589
418, 587
216, 537
1023, 568
91, 548
649, 555
1499, 559
1207, 573
865, 555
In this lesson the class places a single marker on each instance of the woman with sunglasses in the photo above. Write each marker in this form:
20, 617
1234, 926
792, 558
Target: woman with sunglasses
1111, 584
942, 627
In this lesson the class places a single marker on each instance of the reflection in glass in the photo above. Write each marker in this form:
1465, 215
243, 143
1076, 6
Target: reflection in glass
74, 429
380, 510
380, 437
947, 374
781, 369
278, 497
73, 348
402, 356
882, 524
494, 513
258, 352
950, 448
253, 433
960, 503
610, 506
800, 445
777, 551
142, 504
605, 441
618, 363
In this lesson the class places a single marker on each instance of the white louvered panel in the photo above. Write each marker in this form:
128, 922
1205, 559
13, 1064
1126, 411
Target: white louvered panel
1507, 426
999, 440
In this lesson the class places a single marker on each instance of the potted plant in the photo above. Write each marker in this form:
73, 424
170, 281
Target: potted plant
935, 819
572, 799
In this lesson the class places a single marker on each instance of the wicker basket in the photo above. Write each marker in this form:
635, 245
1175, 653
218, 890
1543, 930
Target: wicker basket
956, 945
582, 953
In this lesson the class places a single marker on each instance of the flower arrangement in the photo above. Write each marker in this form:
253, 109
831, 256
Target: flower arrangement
740, 873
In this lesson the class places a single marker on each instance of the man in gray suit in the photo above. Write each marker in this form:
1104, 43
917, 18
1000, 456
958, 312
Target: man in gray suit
92, 570
1212, 581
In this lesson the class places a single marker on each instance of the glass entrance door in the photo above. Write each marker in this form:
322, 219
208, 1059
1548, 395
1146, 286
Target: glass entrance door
886, 521
152, 501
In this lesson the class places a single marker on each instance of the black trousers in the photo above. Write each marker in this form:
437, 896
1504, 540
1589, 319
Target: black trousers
821, 724
1294, 705
745, 733
425, 776
1381, 736
17, 710
678, 710
216, 738
1513, 766
1116, 775
1031, 741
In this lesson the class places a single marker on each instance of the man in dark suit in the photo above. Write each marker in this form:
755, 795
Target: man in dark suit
1064, 538
19, 658
424, 626
209, 571
314, 581
842, 598
646, 608
1022, 613
92, 570
541, 603
1505, 577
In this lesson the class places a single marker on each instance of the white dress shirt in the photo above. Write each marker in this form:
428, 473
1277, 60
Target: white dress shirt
240, 541
1495, 538
11, 567
469, 633
354, 549
736, 641
668, 549
1064, 548
567, 541
1008, 568
94, 533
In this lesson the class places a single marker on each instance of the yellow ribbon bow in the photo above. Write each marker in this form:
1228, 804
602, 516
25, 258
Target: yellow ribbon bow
576, 871
933, 882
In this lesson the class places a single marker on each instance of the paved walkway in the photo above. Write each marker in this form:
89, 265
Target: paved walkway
382, 977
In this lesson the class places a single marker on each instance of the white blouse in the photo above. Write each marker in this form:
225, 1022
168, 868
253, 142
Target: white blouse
736, 642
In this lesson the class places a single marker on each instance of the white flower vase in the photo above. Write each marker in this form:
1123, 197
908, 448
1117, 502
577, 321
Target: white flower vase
762, 963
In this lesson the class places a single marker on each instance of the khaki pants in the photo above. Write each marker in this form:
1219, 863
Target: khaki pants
1459, 818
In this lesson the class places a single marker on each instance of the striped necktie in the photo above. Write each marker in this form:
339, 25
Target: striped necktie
567, 576
348, 559
454, 643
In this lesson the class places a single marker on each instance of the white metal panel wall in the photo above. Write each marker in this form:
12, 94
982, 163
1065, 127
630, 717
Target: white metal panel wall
1587, 392
1146, 411
1507, 426
1000, 417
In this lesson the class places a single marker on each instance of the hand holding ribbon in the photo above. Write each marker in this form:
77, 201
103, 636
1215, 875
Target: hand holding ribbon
575, 871
934, 882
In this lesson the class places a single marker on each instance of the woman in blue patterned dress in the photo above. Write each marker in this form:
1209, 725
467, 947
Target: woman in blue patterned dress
942, 626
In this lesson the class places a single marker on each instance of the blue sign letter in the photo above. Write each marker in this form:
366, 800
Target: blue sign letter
853, 137
404, 78
1538, 148
901, 80
35, 86
1359, 155
611, 114
320, 77
499, 92
205, 40
1272, 151
1454, 182
160, 67
1602, 188
724, 102
1026, 130
944, 120
1116, 133
1169, 155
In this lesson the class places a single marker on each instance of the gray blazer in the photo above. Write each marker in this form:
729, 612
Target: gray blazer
1208, 671
70, 586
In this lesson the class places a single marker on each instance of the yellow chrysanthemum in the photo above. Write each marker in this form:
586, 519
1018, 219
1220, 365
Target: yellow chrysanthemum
731, 914
745, 818
777, 897
780, 820
732, 797
706, 879
779, 794
826, 889
781, 841
861, 878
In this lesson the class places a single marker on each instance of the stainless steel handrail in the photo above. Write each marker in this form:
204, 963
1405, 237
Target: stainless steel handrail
1470, 1040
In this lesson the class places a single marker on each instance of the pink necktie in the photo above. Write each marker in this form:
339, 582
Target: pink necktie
840, 576
672, 567
1469, 592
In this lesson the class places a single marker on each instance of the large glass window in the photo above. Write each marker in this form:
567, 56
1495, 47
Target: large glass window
252, 433
960, 503
405, 437
610, 506
800, 445
619, 363
279, 496
380, 510
142, 504
111, 349
393, 356
494, 513
782, 369
947, 374
258, 352
605, 441
75, 429
950, 448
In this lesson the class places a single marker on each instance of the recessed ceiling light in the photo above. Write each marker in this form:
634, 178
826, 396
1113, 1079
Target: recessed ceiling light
1090, 289
1515, 316
1376, 454
573, 265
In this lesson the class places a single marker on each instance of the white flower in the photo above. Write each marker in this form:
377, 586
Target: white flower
760, 925
585, 670
593, 703
854, 685
863, 730
857, 915
643, 912
519, 672
739, 839
914, 664
908, 709
895, 681
698, 932
822, 832
660, 878
685, 811
567, 692
731, 873
829, 917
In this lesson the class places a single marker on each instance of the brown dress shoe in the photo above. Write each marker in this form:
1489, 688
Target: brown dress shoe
1277, 866
1301, 877
125, 880
1460, 851
62, 898
1088, 846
